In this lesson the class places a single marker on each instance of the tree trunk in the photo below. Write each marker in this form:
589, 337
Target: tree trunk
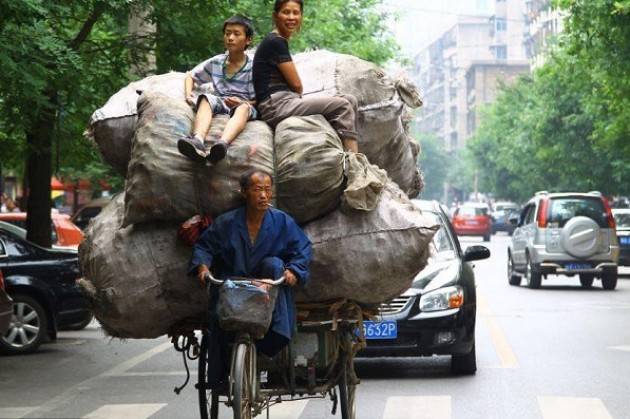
39, 170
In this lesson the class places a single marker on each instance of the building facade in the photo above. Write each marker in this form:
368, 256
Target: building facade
544, 24
464, 68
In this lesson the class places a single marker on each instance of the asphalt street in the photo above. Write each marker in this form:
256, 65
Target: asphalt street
560, 352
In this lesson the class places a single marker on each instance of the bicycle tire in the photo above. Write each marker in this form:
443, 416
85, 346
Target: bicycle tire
242, 379
206, 411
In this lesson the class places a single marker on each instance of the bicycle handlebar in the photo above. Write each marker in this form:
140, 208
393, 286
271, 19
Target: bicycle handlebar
211, 279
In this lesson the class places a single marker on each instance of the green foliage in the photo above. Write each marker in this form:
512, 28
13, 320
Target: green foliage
434, 163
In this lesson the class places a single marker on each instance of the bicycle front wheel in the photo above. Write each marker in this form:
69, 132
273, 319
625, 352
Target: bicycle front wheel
208, 399
242, 378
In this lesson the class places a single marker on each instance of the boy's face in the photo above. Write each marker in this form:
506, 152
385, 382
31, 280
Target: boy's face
235, 38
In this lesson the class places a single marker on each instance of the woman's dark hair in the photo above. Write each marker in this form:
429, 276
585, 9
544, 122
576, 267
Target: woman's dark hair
280, 3
246, 178
240, 20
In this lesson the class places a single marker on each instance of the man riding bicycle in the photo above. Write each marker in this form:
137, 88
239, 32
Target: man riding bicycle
253, 241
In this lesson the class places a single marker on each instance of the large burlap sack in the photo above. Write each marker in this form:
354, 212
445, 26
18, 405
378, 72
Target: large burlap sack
135, 277
383, 138
368, 257
162, 184
112, 126
309, 167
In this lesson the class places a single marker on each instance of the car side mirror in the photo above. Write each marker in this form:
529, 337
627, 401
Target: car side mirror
476, 253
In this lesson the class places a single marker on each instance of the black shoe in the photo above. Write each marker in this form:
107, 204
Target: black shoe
192, 148
217, 152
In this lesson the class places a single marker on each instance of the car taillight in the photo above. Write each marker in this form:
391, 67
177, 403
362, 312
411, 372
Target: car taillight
1, 281
609, 215
542, 213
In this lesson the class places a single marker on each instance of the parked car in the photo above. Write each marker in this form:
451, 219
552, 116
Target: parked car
6, 307
437, 314
46, 299
564, 234
622, 220
82, 217
64, 232
473, 219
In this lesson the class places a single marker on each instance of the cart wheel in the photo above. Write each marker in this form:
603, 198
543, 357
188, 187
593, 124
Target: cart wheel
207, 410
347, 394
242, 378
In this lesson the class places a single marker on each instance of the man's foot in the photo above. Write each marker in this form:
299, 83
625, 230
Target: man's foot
192, 147
217, 152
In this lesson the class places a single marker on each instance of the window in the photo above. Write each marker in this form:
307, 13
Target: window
441, 247
3, 250
623, 220
563, 209
500, 24
500, 52
528, 215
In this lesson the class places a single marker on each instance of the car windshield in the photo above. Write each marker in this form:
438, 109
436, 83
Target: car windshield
563, 209
472, 211
622, 220
441, 247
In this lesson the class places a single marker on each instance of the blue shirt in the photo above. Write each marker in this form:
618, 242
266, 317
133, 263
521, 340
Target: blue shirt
226, 247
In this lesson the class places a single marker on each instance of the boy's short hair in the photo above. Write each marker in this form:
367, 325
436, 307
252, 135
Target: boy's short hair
240, 20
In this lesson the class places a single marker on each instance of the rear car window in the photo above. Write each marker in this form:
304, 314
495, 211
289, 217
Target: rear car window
472, 211
3, 250
563, 209
623, 220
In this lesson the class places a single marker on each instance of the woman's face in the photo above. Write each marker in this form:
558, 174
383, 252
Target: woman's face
288, 19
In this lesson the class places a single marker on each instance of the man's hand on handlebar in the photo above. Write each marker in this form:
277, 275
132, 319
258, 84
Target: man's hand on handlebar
202, 271
290, 278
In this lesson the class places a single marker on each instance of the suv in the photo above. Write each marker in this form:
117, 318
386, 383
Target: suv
567, 234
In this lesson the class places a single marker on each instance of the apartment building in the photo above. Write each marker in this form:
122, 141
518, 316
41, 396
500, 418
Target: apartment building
545, 23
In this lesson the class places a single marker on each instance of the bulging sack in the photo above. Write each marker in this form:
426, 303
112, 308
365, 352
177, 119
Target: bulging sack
164, 185
135, 277
383, 138
368, 257
309, 167
245, 307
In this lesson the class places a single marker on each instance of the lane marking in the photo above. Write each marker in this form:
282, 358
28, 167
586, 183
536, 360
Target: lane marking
288, 410
418, 407
572, 408
193, 373
499, 340
117, 411
620, 348
15, 412
73, 391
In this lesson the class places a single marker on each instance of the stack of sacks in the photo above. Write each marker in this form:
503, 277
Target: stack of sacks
368, 240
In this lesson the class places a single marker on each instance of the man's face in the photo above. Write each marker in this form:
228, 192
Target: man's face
235, 38
259, 193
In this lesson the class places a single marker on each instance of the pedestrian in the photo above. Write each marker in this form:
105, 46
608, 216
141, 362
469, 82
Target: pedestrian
3, 203
231, 78
279, 87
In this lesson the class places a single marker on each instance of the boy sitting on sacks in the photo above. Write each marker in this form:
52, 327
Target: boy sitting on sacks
234, 95
254, 241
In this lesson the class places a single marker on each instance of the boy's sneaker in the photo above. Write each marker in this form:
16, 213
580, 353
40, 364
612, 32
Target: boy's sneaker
192, 147
217, 152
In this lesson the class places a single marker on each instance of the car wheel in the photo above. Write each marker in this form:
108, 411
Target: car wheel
79, 326
513, 279
465, 364
533, 276
587, 280
28, 326
609, 279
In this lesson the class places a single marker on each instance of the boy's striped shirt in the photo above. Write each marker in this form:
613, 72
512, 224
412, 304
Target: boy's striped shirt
213, 70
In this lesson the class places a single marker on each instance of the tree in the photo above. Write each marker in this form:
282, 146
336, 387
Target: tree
434, 163
59, 62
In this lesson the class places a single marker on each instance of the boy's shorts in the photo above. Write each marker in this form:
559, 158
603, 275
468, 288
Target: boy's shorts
219, 107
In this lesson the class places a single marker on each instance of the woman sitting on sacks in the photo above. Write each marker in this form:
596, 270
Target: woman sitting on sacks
278, 85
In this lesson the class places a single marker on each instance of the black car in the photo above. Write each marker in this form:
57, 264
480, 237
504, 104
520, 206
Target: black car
6, 307
42, 284
437, 314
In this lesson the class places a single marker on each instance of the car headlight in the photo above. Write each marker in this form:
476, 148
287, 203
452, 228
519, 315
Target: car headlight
442, 299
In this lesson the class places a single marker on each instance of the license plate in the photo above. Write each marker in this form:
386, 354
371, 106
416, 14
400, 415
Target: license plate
380, 330
472, 222
624, 241
577, 266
